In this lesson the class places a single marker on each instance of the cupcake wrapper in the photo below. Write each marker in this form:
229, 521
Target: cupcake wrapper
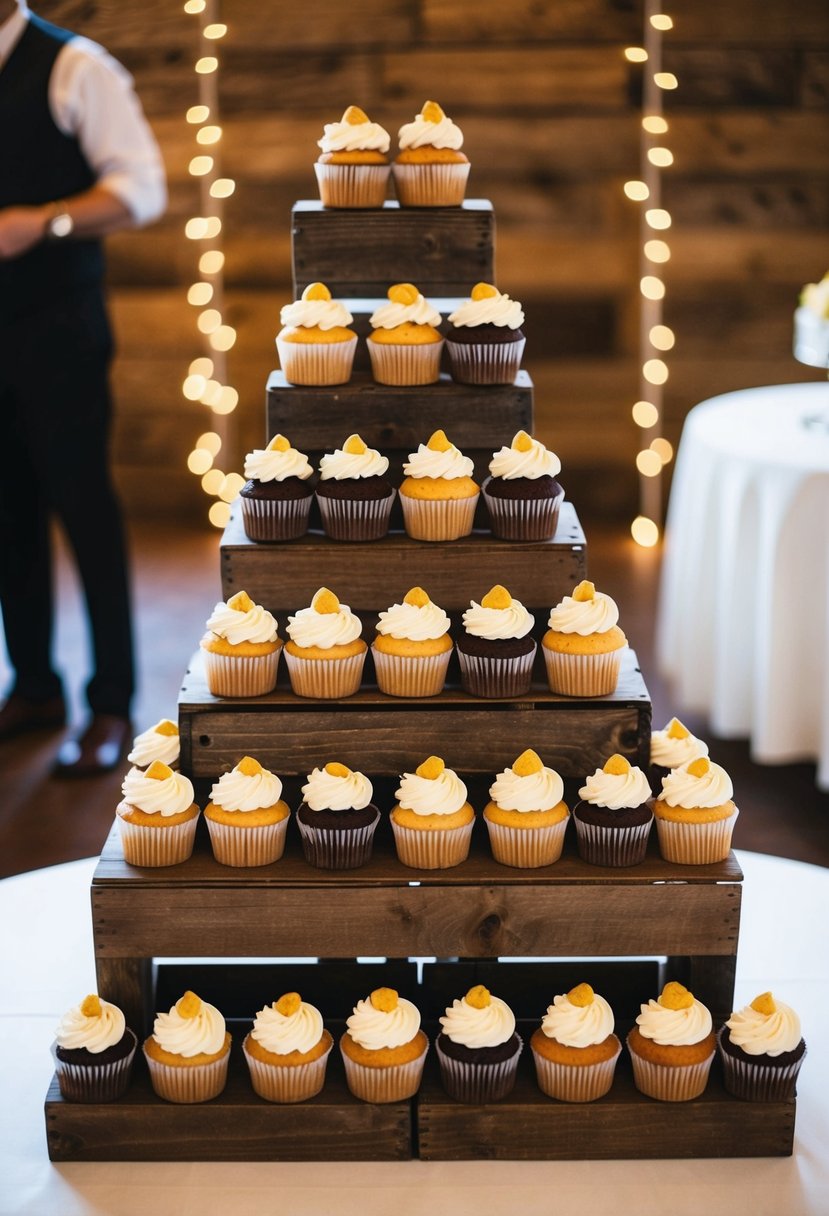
398, 364
485, 362
438, 519
523, 519
268, 519
242, 676
432, 850
430, 185
316, 363
478, 1083
526, 848
240, 846
94, 1082
392, 1084
325, 679
695, 844
196, 1083
482, 676
583, 675
145, 846
347, 519
758, 1082
669, 1084
574, 1082
404, 676
292, 1084
352, 185
618, 847
329, 849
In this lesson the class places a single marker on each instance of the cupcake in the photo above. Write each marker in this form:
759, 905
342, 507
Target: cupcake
353, 167
583, 646
432, 822
478, 1048
157, 818
384, 1048
495, 650
613, 820
246, 816
241, 649
287, 1050
527, 817
93, 1052
762, 1050
353, 493
695, 815
574, 1048
672, 747
188, 1051
404, 344
160, 742
276, 499
337, 818
672, 1046
430, 169
811, 324
412, 648
521, 494
438, 495
325, 654
485, 343
315, 345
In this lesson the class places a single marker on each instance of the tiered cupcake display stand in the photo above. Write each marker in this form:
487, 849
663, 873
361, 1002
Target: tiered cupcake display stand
637, 927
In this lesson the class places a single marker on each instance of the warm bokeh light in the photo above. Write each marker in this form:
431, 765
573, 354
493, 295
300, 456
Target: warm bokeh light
651, 287
661, 21
199, 461
209, 320
219, 514
636, 54
211, 441
662, 337
195, 6
212, 393
223, 338
211, 481
193, 387
216, 30
198, 114
226, 400
658, 217
223, 187
657, 251
200, 165
207, 64
661, 157
638, 191
201, 367
196, 228
648, 463
211, 262
665, 80
214, 227
663, 449
199, 294
644, 531
655, 371
645, 414
209, 135
655, 124
231, 486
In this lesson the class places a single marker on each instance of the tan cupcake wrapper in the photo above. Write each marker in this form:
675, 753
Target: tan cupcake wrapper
434, 849
399, 364
349, 519
668, 1083
478, 1083
695, 844
485, 362
575, 1082
526, 848
268, 519
325, 679
332, 849
401, 675
276, 1083
155, 847
242, 675
482, 676
528, 519
393, 1084
188, 1083
254, 846
316, 363
583, 675
438, 519
430, 185
352, 185
94, 1082
616, 847
758, 1082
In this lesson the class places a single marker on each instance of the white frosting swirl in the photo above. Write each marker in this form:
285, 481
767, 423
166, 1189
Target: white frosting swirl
150, 746
354, 137
255, 625
425, 134
373, 1028
584, 617
578, 1025
339, 465
414, 623
167, 797
325, 629
280, 1033
265, 464
426, 462
668, 752
95, 1034
768, 1034
464, 1023
815, 297
497, 310
442, 795
324, 314
511, 464
236, 791
190, 1036
325, 792
674, 1027
496, 623
535, 792
391, 314
681, 788
616, 791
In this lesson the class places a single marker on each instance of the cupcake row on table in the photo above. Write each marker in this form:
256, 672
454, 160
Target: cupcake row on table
575, 1049
432, 820
484, 342
438, 495
325, 653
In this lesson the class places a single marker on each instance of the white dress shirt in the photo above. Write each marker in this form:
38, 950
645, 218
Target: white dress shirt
91, 97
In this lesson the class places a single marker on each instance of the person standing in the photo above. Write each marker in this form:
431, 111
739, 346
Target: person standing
77, 161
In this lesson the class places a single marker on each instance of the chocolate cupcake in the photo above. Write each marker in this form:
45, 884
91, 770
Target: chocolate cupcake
276, 499
761, 1051
93, 1052
478, 1048
496, 650
485, 343
354, 495
615, 817
337, 820
522, 495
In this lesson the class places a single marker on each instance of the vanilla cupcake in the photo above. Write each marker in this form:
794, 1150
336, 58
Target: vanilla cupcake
287, 1050
583, 646
695, 814
496, 650
430, 169
574, 1048
811, 324
157, 817
405, 344
188, 1051
527, 817
762, 1050
486, 342
246, 816
353, 166
384, 1049
672, 747
325, 654
432, 822
276, 499
521, 494
93, 1052
354, 495
438, 494
241, 649
337, 818
672, 1046
614, 818
412, 648
478, 1048
315, 345
160, 742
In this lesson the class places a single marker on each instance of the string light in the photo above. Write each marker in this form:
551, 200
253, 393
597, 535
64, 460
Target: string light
636, 191
645, 532
645, 414
657, 251
636, 54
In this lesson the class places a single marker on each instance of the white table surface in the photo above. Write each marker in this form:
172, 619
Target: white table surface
743, 622
47, 966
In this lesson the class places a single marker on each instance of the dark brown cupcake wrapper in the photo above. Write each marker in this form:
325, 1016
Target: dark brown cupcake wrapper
268, 519
95, 1082
478, 1083
758, 1082
485, 362
523, 518
617, 847
482, 676
355, 520
337, 850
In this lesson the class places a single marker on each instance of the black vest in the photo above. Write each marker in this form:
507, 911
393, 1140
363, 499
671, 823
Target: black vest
39, 164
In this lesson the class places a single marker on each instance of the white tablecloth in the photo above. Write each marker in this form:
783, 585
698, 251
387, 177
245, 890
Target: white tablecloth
743, 627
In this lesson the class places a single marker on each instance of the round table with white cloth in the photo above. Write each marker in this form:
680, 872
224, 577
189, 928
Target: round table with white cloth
743, 624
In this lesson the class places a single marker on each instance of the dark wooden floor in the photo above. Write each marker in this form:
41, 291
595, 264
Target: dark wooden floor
44, 821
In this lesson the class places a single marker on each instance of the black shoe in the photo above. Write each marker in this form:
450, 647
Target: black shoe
19, 716
97, 750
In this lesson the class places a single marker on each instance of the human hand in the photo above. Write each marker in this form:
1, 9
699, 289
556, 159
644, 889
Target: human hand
20, 229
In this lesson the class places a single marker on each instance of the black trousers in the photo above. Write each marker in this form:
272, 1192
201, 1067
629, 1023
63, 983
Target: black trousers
55, 412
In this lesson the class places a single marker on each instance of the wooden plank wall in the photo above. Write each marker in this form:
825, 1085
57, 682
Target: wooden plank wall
550, 110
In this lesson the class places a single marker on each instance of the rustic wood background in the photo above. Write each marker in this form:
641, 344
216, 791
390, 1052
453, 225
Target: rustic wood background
550, 111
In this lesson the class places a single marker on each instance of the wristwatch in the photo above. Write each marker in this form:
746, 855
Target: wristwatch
60, 225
